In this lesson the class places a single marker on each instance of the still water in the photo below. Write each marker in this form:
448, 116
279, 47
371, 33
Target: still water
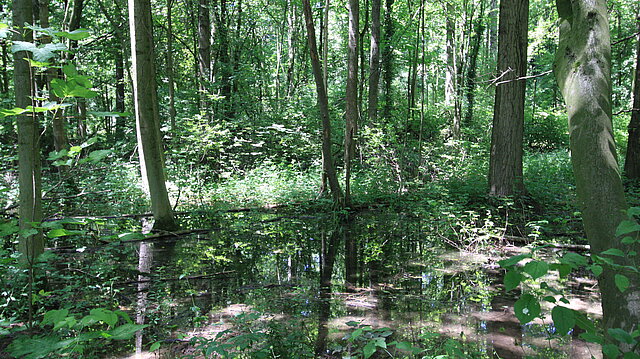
297, 285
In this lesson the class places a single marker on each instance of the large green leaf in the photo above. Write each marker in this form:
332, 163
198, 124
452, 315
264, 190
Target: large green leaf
104, 315
40, 53
74, 35
622, 282
125, 331
511, 280
621, 335
536, 269
626, 227
526, 308
563, 319
505, 263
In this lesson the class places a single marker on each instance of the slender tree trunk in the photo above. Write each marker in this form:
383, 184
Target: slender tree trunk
170, 70
351, 109
505, 164
30, 210
387, 60
120, 94
632, 160
323, 106
374, 62
325, 44
583, 72
291, 47
470, 87
147, 118
450, 82
204, 54
363, 59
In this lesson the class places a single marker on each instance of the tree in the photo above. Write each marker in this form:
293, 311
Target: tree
632, 160
323, 106
374, 62
351, 110
505, 164
204, 52
583, 71
451, 101
147, 117
28, 149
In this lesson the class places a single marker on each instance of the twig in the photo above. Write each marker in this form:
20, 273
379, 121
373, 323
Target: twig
626, 111
626, 38
523, 78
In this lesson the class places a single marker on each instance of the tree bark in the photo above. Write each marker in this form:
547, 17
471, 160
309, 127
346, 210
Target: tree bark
147, 117
351, 108
170, 70
29, 178
451, 77
374, 62
472, 71
323, 106
204, 54
387, 60
583, 70
505, 164
632, 160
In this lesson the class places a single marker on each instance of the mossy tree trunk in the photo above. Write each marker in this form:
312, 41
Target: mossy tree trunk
147, 117
583, 72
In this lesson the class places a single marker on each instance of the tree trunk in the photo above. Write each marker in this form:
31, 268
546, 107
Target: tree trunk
632, 160
470, 87
505, 164
583, 72
387, 60
204, 54
323, 106
30, 185
351, 110
147, 118
374, 62
170, 70
450, 82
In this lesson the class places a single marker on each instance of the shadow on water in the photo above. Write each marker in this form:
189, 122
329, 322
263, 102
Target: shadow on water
313, 275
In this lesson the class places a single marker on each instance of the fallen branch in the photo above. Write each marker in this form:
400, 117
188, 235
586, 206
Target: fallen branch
575, 247
204, 276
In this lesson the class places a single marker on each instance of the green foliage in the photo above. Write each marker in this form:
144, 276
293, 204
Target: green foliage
64, 333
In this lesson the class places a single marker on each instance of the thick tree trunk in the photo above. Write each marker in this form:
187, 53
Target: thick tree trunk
583, 72
30, 209
323, 106
505, 164
351, 110
632, 160
374, 62
147, 118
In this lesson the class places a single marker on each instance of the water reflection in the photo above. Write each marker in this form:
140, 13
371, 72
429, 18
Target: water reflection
377, 269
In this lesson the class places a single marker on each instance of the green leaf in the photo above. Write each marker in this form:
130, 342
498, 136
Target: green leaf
611, 351
626, 227
74, 35
563, 269
9, 228
125, 331
104, 315
622, 282
54, 316
536, 269
4, 31
613, 252
526, 308
40, 53
592, 338
621, 335
12, 112
563, 319
628, 240
575, 260
155, 346
633, 211
99, 155
109, 114
369, 349
58, 232
137, 235
596, 270
509, 262
511, 280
